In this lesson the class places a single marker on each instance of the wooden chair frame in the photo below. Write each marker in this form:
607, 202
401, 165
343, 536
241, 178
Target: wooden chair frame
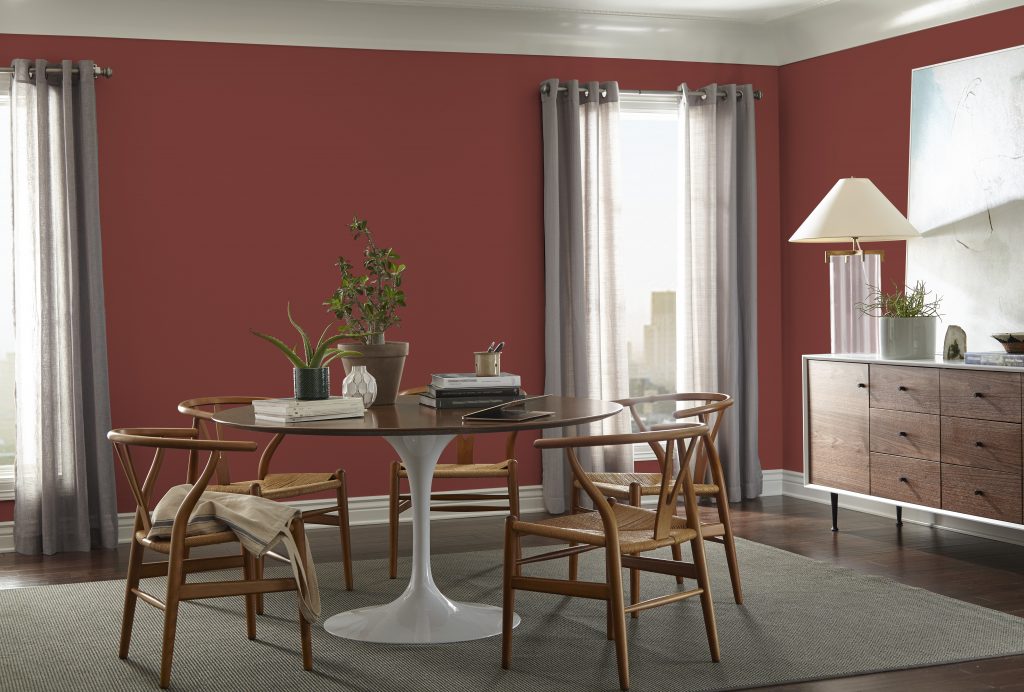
202, 409
179, 564
618, 555
399, 502
710, 413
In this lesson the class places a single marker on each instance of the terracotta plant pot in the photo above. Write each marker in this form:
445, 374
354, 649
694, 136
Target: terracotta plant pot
385, 362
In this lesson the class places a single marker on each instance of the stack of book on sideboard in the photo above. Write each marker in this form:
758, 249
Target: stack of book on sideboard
999, 358
466, 390
297, 410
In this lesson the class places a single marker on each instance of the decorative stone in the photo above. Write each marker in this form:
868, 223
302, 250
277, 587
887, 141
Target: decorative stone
360, 384
955, 345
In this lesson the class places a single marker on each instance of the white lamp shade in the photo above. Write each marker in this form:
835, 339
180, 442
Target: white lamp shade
854, 208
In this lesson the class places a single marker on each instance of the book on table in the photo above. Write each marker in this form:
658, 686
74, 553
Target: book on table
483, 392
289, 409
474, 401
468, 380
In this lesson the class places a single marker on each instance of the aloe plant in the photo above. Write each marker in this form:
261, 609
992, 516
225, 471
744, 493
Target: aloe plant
313, 356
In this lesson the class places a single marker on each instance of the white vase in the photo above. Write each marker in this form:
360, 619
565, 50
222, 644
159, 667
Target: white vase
360, 383
907, 338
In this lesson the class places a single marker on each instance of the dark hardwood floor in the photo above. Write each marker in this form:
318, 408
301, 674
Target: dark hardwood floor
977, 570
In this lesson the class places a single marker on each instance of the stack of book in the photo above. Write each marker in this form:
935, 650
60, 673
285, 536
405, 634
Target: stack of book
296, 410
999, 358
466, 390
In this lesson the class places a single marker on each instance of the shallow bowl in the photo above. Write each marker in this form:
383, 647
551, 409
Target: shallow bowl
1012, 342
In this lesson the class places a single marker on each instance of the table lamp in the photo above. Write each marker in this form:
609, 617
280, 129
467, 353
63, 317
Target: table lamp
852, 211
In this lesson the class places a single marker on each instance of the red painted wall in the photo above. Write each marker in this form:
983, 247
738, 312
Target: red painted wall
848, 114
228, 173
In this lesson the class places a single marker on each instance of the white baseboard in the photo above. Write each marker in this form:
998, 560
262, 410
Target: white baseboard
362, 511
369, 510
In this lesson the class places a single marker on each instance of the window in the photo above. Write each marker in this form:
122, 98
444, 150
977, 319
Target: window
6, 298
648, 210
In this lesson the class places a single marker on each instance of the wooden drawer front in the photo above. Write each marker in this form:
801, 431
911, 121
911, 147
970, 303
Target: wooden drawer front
837, 403
980, 394
981, 492
905, 434
905, 388
914, 481
982, 444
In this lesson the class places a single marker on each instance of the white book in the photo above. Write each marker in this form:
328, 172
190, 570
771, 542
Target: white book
467, 380
295, 407
268, 418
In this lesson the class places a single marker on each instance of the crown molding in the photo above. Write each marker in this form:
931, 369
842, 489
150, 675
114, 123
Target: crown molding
508, 28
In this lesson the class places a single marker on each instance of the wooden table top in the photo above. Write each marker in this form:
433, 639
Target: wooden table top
408, 417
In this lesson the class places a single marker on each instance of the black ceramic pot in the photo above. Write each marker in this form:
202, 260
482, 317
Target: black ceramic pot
312, 383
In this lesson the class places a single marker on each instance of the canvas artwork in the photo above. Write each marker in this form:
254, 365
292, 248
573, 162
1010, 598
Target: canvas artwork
967, 191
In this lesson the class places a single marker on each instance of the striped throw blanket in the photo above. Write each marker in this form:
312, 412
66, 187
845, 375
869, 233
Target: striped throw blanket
260, 524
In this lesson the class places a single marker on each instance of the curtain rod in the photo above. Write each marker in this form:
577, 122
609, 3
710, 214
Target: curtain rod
57, 69
758, 94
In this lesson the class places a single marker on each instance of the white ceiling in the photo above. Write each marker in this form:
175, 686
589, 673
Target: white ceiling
765, 32
750, 11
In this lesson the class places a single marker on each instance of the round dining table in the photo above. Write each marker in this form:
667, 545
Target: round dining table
422, 614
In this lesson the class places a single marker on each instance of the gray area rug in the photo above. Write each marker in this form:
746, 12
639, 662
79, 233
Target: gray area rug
802, 620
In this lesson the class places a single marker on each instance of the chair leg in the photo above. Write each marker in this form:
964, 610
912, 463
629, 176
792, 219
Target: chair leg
131, 582
343, 528
574, 560
258, 563
730, 547
706, 604
677, 555
634, 573
508, 599
513, 501
393, 518
249, 569
616, 608
175, 577
299, 533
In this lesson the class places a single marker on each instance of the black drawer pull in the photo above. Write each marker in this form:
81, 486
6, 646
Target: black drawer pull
979, 444
979, 492
902, 388
902, 434
979, 395
903, 479
861, 385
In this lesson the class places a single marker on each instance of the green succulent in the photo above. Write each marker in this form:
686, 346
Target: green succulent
318, 356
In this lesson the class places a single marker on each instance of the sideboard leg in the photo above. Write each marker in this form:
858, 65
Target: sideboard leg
899, 515
835, 511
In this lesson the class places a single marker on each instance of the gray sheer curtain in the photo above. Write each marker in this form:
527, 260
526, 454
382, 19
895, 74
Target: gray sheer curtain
717, 304
64, 480
585, 353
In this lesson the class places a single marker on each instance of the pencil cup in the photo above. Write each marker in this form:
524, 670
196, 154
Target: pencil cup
487, 363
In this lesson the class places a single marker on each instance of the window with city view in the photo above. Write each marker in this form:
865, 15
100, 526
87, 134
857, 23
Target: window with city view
648, 208
6, 290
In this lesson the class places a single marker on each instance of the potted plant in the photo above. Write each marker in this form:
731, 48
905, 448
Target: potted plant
310, 374
908, 317
367, 305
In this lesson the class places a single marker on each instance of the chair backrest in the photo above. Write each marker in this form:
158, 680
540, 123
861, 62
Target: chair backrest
464, 443
708, 408
161, 439
201, 410
679, 440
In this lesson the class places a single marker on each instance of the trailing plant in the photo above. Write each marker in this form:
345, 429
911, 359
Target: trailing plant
367, 304
312, 356
903, 302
